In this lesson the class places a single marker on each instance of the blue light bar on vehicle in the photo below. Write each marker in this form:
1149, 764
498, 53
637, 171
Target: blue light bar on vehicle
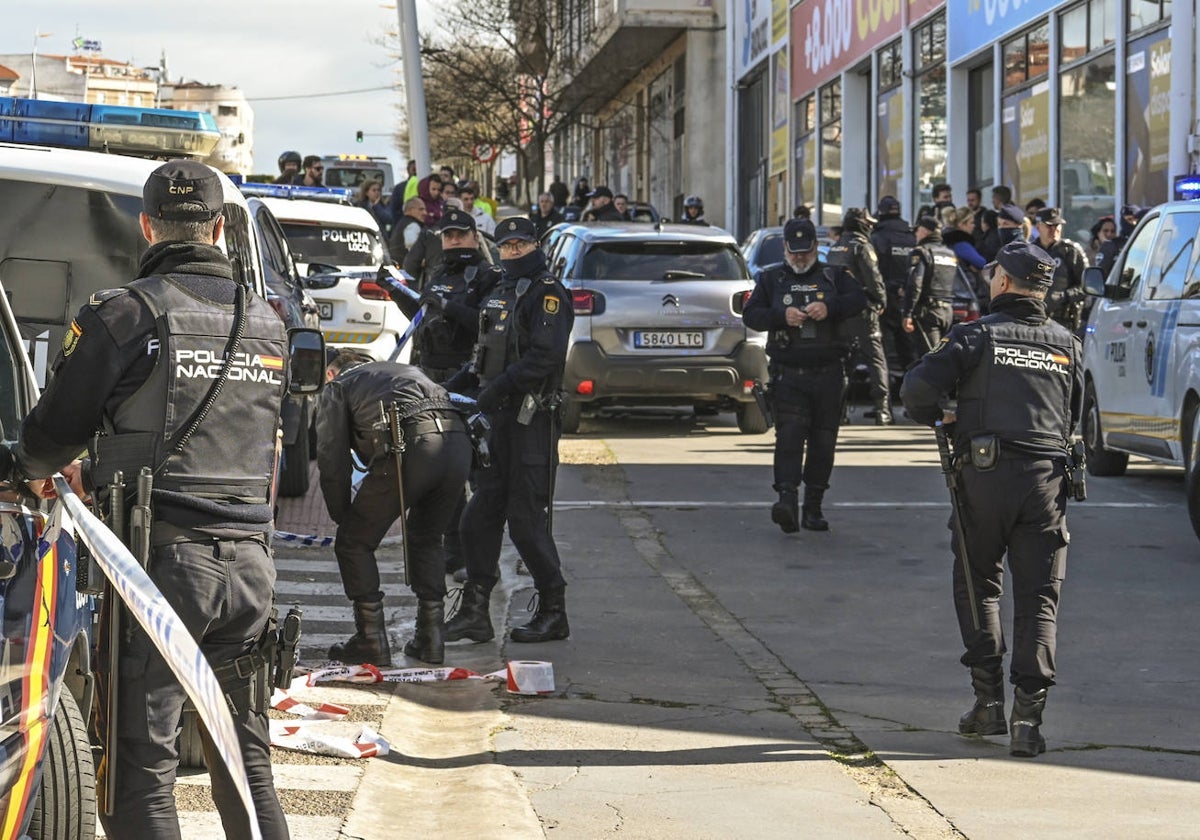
156, 132
1187, 187
335, 195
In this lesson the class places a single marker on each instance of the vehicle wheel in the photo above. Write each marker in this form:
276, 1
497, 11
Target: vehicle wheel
570, 414
1100, 461
293, 478
65, 808
191, 748
1193, 475
751, 421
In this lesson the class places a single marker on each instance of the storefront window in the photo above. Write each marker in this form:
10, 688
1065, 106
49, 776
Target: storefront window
1027, 56
1025, 142
929, 91
1143, 13
806, 150
830, 211
982, 108
1087, 144
890, 122
1147, 118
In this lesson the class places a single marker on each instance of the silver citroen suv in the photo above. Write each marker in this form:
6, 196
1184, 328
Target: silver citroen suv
658, 320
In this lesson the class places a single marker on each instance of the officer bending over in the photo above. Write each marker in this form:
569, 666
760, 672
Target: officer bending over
929, 294
1019, 387
799, 305
525, 324
125, 372
434, 463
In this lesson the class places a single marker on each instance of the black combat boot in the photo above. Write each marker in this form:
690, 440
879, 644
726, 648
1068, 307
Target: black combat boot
472, 620
786, 512
883, 412
549, 623
811, 518
370, 644
986, 717
427, 643
1027, 740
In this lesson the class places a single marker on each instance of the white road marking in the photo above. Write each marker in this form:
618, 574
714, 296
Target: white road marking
582, 505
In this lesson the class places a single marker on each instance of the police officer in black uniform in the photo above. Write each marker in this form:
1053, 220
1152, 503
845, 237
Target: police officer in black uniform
1066, 298
929, 292
854, 253
602, 209
435, 463
893, 241
524, 327
1019, 384
799, 304
136, 366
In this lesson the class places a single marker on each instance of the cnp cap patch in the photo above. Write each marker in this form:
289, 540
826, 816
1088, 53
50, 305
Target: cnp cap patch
516, 228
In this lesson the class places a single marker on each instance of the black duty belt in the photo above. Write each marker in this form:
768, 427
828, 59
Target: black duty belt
438, 425
808, 370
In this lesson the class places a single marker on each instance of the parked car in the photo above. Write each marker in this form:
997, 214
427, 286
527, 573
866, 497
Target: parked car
339, 251
763, 248
658, 320
1141, 351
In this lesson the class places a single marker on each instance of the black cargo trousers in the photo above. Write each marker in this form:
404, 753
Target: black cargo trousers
807, 404
222, 591
864, 329
436, 465
1018, 508
515, 489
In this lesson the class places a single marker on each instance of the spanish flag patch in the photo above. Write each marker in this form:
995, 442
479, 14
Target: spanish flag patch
271, 362
71, 339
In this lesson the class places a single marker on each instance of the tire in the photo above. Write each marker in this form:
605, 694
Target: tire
191, 749
65, 808
293, 478
750, 420
1192, 482
1100, 461
570, 414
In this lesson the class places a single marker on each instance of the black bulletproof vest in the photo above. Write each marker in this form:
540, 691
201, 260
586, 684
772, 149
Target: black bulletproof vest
1060, 252
1021, 389
441, 342
231, 455
940, 281
894, 243
497, 345
799, 291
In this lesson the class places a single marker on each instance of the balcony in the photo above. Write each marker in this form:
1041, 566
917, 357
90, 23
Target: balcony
608, 42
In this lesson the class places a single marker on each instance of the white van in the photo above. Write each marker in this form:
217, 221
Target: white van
1141, 351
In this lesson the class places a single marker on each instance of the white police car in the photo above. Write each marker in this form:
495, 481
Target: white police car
1141, 353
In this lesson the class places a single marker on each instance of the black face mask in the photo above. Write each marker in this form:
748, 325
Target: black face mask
526, 265
458, 258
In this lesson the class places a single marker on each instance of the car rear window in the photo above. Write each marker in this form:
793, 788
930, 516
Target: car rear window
333, 244
770, 250
339, 176
652, 261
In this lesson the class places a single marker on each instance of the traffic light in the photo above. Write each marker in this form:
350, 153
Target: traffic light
358, 136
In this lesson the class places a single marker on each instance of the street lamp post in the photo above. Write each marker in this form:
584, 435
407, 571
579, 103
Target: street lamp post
37, 36
414, 85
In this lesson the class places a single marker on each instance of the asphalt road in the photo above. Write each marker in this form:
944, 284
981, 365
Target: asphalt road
726, 680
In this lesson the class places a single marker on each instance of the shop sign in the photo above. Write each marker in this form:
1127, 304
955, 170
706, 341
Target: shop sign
781, 104
830, 35
890, 149
1026, 142
974, 24
1148, 123
752, 33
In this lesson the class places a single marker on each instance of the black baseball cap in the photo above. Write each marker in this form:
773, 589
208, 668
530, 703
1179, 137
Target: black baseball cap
600, 192
888, 205
1049, 216
799, 236
1012, 213
929, 223
517, 227
455, 219
183, 191
1027, 262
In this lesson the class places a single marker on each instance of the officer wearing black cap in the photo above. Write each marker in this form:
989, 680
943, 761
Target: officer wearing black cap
929, 290
799, 304
854, 253
602, 209
433, 468
524, 327
1019, 384
893, 241
1066, 298
137, 365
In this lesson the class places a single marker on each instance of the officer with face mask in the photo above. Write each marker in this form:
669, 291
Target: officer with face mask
524, 328
1019, 386
854, 253
799, 304
1066, 298
929, 294
137, 367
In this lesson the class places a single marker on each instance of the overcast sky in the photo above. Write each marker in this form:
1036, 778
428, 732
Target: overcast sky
268, 48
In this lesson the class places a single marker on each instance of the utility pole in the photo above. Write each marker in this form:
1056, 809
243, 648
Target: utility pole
414, 86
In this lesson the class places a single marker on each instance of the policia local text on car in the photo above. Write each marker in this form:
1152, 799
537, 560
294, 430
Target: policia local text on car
177, 379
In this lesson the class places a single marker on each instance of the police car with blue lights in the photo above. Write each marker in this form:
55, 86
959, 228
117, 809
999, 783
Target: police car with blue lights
1141, 351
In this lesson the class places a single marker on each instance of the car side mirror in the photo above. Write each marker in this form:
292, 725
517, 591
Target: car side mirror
306, 361
322, 276
1093, 281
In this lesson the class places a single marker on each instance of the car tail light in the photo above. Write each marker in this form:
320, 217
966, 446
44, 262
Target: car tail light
371, 290
585, 388
748, 386
739, 301
587, 302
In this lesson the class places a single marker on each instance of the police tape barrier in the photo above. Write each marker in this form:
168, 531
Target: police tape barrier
148, 606
319, 730
317, 540
337, 672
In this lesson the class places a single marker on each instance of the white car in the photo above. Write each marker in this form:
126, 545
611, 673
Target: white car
1141, 352
355, 311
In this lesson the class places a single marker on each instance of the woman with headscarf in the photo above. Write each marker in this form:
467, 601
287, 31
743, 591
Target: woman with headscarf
429, 189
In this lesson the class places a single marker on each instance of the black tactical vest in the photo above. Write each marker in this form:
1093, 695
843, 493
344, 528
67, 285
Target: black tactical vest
799, 291
1060, 252
940, 280
497, 345
231, 455
441, 342
1021, 389
894, 243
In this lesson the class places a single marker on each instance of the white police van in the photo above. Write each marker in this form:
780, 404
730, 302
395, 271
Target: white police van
1141, 353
